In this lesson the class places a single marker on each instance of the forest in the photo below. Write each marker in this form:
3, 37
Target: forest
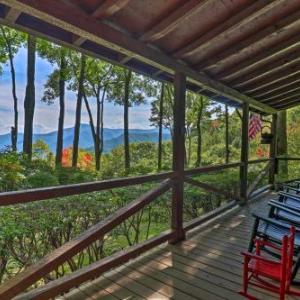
212, 136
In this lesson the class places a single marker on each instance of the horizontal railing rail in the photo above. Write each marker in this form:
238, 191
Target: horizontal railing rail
212, 168
23, 196
258, 161
206, 186
17, 197
287, 158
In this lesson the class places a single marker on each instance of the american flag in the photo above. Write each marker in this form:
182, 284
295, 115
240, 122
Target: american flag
255, 125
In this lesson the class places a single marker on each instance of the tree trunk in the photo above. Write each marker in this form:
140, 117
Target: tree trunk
189, 152
97, 135
282, 147
92, 126
160, 126
199, 135
126, 121
226, 136
29, 102
60, 131
78, 111
14, 129
99, 129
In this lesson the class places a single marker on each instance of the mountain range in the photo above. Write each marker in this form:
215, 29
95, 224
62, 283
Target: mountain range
111, 138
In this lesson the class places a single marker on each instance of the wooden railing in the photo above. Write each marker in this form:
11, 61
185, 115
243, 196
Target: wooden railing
52, 261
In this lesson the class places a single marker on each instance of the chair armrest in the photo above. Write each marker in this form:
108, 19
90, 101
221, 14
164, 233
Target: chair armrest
254, 256
290, 188
267, 243
287, 208
287, 195
273, 221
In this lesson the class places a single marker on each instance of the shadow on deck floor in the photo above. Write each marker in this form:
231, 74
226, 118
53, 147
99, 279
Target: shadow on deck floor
207, 265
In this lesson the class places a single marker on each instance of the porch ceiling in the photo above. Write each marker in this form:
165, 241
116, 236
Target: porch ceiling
231, 50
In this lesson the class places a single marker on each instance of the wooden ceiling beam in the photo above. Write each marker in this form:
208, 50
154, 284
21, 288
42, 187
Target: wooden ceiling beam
169, 23
222, 28
268, 68
279, 92
12, 15
288, 102
274, 77
274, 87
254, 62
279, 99
285, 107
80, 23
109, 8
105, 10
284, 93
289, 25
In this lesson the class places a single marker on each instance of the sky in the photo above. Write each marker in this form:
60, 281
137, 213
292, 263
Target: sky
46, 116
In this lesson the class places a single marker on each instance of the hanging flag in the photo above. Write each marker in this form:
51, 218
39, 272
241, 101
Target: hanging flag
255, 125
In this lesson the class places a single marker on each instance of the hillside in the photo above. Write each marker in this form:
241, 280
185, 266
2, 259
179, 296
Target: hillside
112, 137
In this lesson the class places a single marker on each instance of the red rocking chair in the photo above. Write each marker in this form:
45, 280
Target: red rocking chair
260, 270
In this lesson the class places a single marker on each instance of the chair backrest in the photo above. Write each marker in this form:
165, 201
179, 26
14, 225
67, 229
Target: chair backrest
287, 255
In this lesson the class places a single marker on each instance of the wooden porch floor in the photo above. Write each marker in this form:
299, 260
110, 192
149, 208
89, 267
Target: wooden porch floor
207, 265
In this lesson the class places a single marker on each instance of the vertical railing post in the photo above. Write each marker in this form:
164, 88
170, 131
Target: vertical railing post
273, 151
178, 157
244, 154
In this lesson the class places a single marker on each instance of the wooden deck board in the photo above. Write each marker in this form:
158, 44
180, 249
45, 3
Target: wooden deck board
207, 265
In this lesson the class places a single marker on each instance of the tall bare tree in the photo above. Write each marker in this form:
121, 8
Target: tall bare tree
55, 86
11, 41
29, 102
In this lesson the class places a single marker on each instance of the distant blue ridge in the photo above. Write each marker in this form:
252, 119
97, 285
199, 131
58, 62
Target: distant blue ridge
111, 138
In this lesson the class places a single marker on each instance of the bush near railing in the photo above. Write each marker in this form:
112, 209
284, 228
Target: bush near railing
198, 201
30, 231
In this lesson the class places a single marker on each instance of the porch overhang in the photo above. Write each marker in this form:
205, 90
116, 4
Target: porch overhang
247, 53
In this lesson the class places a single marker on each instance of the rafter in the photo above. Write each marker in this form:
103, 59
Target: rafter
296, 103
277, 76
291, 92
279, 92
167, 24
287, 26
108, 8
105, 10
288, 103
251, 63
280, 99
268, 68
222, 28
274, 87
12, 15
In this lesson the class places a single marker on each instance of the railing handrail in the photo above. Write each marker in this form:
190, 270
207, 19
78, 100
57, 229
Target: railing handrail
23, 196
287, 158
212, 168
46, 193
258, 161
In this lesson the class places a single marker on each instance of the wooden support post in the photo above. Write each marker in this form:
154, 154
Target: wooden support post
244, 154
178, 157
273, 151
226, 135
